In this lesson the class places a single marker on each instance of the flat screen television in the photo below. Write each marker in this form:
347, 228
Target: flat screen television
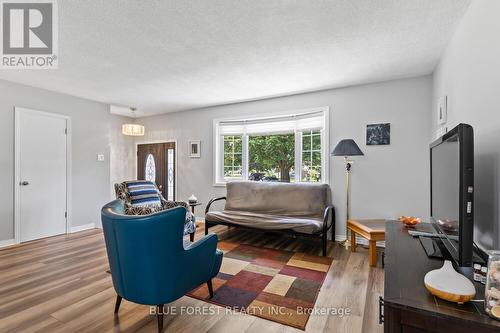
452, 192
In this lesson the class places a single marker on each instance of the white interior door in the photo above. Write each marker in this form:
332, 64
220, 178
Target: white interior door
42, 170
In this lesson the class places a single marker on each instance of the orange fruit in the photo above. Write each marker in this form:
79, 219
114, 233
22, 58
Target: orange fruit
495, 311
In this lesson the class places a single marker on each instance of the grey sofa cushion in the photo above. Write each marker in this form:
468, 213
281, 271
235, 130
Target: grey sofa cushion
307, 225
285, 199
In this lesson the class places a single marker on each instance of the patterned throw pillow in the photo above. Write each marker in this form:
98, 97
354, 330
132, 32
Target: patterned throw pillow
143, 194
122, 192
141, 210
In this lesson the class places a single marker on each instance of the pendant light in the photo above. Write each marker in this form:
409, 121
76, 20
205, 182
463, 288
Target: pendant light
133, 129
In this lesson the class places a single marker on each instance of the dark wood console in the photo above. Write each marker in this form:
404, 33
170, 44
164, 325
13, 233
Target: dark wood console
407, 307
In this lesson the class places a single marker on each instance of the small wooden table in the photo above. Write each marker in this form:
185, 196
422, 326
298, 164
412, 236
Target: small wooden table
371, 229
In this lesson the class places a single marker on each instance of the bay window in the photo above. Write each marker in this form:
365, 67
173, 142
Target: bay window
285, 148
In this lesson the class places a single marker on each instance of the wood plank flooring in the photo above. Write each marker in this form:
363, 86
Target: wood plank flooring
60, 284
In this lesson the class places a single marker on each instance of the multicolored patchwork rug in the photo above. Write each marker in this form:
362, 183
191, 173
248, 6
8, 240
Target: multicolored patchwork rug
277, 285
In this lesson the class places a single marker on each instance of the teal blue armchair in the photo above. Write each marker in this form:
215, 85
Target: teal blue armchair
148, 259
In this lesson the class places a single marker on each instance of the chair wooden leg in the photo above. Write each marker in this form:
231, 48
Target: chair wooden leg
191, 237
159, 315
353, 241
210, 288
372, 252
118, 302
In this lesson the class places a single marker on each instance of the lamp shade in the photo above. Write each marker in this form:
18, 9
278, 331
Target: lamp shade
347, 147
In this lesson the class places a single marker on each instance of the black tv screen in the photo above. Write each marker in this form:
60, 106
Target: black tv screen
452, 190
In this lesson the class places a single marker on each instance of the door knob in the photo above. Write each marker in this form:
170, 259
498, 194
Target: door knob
24, 183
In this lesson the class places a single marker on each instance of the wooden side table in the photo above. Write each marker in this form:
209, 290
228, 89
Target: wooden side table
371, 229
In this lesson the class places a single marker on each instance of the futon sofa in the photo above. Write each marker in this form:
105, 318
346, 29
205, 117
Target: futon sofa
296, 208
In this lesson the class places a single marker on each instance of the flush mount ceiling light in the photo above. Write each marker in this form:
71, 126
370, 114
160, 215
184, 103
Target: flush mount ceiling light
133, 129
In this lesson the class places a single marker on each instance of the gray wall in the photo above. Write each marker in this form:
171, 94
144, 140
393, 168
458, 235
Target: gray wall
469, 74
93, 131
122, 152
387, 182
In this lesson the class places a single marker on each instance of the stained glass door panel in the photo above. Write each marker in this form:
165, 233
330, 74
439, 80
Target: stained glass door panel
150, 168
171, 174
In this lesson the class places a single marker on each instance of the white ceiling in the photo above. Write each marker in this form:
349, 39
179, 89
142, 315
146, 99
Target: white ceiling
165, 56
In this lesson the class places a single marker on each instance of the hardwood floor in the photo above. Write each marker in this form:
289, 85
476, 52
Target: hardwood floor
60, 284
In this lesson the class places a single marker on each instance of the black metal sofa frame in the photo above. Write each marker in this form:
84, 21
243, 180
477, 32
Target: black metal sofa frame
329, 214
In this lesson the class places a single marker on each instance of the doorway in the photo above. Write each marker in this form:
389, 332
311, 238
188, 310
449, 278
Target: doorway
156, 162
41, 174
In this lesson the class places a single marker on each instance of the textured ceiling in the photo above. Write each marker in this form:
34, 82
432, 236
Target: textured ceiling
164, 56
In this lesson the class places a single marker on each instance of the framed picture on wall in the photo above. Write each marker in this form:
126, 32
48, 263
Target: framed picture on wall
194, 149
378, 134
442, 112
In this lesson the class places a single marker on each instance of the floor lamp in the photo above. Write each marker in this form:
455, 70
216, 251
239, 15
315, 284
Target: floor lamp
346, 148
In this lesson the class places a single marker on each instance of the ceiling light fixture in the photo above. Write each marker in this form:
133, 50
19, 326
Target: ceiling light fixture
133, 129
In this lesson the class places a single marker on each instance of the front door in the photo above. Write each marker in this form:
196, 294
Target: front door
156, 163
42, 170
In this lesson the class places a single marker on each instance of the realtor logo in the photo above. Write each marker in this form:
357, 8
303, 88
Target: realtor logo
29, 34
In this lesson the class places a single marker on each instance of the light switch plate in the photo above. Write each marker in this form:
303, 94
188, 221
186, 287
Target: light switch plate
100, 158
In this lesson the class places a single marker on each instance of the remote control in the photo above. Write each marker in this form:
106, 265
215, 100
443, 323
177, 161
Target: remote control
415, 233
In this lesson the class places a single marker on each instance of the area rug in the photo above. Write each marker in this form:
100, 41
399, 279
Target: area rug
281, 286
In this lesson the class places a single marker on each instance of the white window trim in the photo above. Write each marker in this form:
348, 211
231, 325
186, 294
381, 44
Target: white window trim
218, 179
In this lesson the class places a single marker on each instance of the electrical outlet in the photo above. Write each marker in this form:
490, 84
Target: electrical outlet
100, 158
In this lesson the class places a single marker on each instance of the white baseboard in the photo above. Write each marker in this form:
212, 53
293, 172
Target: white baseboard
7, 242
359, 240
83, 227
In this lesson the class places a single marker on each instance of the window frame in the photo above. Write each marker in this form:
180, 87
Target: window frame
218, 167
310, 151
223, 155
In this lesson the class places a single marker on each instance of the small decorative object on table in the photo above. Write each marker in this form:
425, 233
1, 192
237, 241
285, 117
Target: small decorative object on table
192, 199
409, 221
448, 284
492, 291
193, 202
